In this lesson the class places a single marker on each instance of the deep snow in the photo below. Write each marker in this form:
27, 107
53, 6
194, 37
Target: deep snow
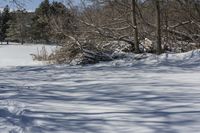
158, 94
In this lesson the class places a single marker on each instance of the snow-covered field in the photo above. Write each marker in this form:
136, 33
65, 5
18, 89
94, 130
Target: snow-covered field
19, 55
152, 95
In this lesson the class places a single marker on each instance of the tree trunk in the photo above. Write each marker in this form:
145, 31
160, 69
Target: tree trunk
158, 28
135, 31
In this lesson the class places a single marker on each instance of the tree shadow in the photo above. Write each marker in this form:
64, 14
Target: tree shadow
82, 103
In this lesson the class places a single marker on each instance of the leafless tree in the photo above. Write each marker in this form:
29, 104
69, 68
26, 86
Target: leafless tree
158, 27
134, 20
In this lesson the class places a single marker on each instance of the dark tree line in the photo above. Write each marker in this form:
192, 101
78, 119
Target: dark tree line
4, 18
34, 27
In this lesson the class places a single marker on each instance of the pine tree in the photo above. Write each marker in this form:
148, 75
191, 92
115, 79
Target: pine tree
57, 8
0, 26
5, 17
12, 32
61, 22
40, 24
18, 30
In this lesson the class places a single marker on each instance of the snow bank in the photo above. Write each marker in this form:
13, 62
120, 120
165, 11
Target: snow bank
191, 58
19, 55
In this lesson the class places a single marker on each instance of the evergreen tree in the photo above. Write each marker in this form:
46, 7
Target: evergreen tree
18, 30
0, 26
5, 17
12, 32
40, 24
58, 8
61, 19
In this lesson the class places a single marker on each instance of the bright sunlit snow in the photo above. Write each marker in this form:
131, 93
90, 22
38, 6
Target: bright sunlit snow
157, 94
20, 55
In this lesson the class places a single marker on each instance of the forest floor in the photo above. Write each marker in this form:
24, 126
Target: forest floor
158, 94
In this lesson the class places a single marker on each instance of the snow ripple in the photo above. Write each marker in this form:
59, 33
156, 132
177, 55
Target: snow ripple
102, 98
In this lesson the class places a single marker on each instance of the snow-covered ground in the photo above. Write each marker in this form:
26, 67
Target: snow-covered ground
19, 55
152, 95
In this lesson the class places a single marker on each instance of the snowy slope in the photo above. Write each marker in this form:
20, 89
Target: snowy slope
19, 55
191, 58
122, 96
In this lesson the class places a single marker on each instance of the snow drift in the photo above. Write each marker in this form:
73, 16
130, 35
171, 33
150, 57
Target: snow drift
138, 93
191, 58
20, 55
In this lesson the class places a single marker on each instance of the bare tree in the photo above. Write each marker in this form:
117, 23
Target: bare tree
134, 21
158, 28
